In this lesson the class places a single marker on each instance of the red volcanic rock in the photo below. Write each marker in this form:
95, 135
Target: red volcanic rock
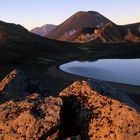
77, 21
24, 112
108, 33
101, 114
32, 118
130, 36
83, 111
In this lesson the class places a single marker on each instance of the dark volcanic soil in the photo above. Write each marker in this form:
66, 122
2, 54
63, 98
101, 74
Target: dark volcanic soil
41, 57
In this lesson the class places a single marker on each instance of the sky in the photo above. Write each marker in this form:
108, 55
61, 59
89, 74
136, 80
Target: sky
35, 13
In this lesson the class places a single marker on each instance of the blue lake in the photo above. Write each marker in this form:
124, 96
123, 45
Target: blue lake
116, 70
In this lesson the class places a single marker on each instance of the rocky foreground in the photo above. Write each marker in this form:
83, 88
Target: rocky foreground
86, 110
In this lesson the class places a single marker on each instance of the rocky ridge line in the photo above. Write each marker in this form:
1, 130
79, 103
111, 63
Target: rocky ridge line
85, 110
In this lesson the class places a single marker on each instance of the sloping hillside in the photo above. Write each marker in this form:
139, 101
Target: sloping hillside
78, 21
91, 26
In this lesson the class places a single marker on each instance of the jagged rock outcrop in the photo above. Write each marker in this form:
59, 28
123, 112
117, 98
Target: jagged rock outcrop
24, 112
100, 112
16, 85
83, 111
32, 118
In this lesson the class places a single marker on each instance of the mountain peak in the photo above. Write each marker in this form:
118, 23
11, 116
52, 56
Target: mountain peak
86, 13
93, 12
77, 21
81, 12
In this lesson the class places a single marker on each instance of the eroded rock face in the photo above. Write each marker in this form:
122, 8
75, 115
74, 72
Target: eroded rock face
33, 118
16, 85
25, 114
100, 110
84, 111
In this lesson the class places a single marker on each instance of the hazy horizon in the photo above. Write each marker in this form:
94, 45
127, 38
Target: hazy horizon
31, 14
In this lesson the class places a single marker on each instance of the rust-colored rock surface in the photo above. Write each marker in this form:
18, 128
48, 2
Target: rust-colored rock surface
106, 115
33, 118
86, 110
24, 113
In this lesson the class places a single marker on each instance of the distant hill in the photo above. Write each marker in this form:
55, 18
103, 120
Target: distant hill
91, 26
43, 30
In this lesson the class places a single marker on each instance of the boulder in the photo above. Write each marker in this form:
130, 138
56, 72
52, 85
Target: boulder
25, 114
96, 111
16, 85
32, 118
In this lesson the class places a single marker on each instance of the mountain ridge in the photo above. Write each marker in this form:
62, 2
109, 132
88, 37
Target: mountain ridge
43, 30
72, 29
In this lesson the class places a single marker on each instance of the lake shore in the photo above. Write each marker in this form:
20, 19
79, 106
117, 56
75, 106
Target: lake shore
44, 63
63, 79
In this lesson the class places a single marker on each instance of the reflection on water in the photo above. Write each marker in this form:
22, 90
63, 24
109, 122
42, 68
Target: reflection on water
115, 70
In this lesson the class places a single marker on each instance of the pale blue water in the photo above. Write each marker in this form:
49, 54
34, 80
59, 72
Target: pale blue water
116, 70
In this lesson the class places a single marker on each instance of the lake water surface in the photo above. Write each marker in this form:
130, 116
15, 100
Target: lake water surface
116, 70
